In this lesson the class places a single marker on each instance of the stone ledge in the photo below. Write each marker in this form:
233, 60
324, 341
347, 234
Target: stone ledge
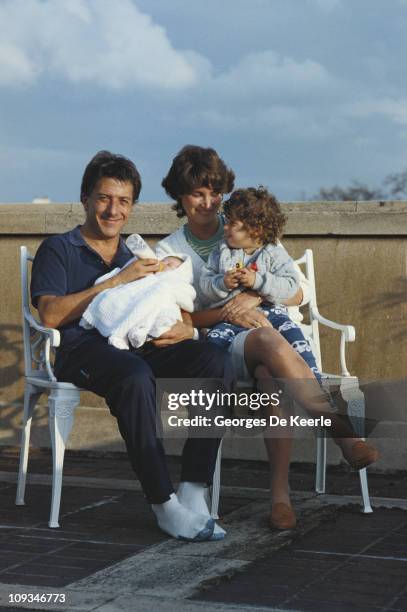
304, 218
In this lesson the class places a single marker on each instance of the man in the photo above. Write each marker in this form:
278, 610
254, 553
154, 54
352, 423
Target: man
64, 271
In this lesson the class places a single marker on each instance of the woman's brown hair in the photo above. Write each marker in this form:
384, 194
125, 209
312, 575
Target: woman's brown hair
195, 167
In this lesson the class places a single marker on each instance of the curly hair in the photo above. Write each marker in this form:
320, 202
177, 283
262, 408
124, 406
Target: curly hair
194, 167
259, 211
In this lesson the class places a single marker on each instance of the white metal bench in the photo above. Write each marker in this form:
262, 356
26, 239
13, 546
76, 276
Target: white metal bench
39, 341
348, 385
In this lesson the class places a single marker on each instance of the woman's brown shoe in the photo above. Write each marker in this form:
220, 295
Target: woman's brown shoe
282, 517
361, 455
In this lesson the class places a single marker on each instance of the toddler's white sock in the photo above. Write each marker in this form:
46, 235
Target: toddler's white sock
192, 495
181, 522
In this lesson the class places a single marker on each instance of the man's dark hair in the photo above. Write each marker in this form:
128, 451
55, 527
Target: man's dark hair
109, 165
195, 167
259, 211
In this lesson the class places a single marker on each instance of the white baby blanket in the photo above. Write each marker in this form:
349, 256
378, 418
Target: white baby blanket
143, 309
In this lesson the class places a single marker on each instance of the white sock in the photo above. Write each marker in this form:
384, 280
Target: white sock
182, 523
192, 495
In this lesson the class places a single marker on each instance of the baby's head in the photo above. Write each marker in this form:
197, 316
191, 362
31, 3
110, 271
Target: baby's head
170, 263
253, 218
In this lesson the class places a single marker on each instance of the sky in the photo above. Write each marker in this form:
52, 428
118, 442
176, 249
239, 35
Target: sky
293, 94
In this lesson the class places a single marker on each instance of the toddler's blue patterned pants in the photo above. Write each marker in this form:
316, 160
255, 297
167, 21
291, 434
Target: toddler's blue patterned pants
223, 334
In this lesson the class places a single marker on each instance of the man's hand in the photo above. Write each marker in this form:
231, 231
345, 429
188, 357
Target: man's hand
56, 310
138, 269
231, 279
178, 332
247, 277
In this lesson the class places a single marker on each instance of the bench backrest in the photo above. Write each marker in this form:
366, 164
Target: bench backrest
311, 328
37, 344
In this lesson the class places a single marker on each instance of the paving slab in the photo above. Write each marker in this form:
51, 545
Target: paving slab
350, 561
109, 554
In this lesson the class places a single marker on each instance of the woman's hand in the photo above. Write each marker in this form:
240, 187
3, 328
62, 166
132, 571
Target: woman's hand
178, 332
250, 319
239, 304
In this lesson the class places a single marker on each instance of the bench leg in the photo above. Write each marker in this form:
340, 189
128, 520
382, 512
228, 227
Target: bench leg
367, 508
31, 395
62, 404
355, 398
320, 476
216, 485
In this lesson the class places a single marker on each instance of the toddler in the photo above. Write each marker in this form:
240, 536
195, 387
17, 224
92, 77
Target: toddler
251, 257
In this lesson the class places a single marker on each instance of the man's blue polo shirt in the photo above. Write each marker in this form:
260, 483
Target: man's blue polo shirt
66, 264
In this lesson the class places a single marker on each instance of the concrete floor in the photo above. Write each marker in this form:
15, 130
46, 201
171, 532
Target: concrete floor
109, 555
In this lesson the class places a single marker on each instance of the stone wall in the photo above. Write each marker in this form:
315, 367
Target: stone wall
361, 269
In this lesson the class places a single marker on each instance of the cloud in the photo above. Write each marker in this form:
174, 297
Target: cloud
394, 109
97, 42
326, 5
267, 75
118, 47
272, 116
15, 66
268, 93
281, 121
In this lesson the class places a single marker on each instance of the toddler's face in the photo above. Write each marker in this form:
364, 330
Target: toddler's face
170, 263
238, 237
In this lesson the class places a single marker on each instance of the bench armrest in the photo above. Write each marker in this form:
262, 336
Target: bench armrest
51, 338
348, 334
53, 334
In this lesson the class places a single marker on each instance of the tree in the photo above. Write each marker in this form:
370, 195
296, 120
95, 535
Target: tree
397, 184
356, 191
394, 187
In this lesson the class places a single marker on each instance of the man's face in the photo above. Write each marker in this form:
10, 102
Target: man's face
108, 207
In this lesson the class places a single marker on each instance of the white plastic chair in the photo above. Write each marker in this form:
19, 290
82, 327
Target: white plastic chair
39, 378
349, 388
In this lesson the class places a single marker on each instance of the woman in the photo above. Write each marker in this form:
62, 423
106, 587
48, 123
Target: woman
197, 180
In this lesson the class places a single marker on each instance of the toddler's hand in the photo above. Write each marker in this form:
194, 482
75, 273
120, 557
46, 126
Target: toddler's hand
231, 279
247, 277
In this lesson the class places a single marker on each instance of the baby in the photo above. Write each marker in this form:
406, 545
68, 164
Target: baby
136, 312
170, 263
251, 257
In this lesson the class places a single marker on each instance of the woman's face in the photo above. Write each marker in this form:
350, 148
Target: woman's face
202, 205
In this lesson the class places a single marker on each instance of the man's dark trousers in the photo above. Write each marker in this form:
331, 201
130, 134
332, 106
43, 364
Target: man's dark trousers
126, 379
